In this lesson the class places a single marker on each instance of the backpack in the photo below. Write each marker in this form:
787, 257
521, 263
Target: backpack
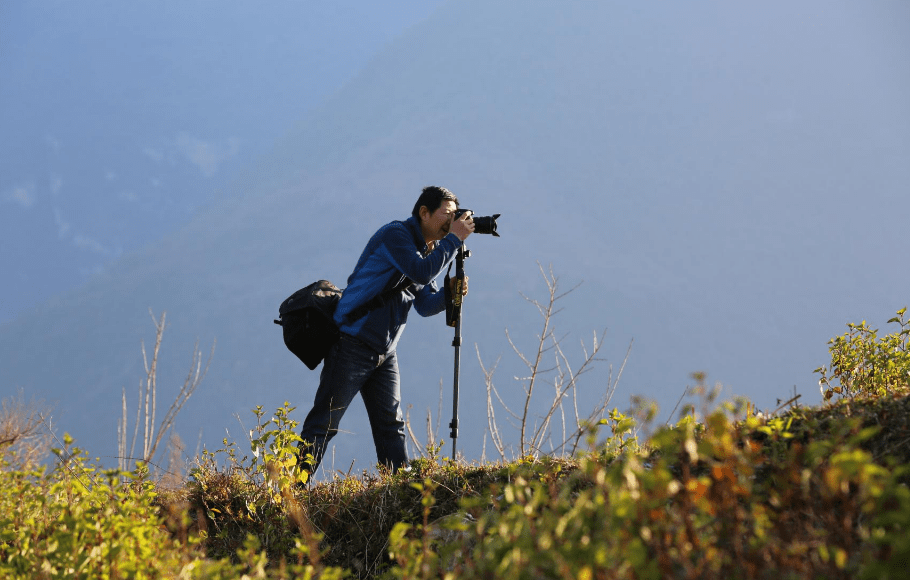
306, 321
307, 318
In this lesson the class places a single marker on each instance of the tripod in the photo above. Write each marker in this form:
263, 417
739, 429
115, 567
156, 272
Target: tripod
453, 318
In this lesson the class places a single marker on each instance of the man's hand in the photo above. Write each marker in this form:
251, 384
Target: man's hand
463, 226
464, 287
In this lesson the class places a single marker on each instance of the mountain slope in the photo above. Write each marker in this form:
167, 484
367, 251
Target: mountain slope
688, 163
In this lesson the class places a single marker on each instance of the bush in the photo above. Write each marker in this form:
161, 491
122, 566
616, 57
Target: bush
78, 521
814, 493
736, 499
810, 493
861, 363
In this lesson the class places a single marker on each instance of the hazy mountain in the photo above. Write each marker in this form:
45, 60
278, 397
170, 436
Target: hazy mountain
728, 182
121, 120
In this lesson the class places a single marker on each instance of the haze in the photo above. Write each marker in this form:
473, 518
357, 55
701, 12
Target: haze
728, 181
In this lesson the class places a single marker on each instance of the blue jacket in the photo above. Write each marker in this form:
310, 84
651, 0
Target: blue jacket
396, 250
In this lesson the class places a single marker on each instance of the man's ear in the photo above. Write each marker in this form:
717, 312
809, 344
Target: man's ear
424, 213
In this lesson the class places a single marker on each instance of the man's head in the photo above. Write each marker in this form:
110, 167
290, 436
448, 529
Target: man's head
435, 209
432, 197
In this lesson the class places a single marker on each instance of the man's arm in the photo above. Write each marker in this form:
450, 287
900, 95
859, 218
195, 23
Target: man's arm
399, 249
430, 301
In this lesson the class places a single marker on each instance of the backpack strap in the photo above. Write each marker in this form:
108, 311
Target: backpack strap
376, 301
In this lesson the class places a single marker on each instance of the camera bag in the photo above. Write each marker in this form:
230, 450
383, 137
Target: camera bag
307, 318
306, 321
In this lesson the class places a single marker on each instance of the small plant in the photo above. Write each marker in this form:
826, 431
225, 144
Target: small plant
252, 507
622, 434
276, 449
415, 557
861, 363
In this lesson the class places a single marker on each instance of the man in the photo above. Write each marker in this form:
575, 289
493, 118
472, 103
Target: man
406, 254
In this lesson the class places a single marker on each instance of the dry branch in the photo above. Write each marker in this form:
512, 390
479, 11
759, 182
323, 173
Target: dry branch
564, 380
148, 394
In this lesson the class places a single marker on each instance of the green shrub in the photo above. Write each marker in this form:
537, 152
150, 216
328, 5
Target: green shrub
735, 499
861, 363
810, 493
79, 522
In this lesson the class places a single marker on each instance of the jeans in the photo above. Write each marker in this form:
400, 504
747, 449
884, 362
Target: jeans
350, 368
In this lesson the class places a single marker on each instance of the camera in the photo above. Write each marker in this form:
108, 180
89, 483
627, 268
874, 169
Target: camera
482, 224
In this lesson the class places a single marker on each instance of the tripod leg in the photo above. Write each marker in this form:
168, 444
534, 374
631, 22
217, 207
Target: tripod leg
454, 424
456, 322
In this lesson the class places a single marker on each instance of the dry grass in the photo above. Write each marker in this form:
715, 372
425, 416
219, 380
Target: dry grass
24, 432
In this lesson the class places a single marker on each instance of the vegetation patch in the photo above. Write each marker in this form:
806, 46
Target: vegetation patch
807, 492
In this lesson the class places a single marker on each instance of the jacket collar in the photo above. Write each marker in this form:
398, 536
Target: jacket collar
414, 224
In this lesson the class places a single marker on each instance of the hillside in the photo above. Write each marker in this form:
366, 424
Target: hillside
812, 492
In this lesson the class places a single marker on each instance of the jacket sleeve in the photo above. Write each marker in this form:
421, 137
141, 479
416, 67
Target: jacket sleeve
429, 300
399, 249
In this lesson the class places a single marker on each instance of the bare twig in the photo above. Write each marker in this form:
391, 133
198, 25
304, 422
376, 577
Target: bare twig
491, 413
432, 432
600, 410
151, 387
567, 382
537, 432
789, 402
681, 397
193, 379
148, 392
407, 424
21, 430
433, 437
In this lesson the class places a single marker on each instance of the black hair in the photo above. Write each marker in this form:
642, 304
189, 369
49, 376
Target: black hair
432, 197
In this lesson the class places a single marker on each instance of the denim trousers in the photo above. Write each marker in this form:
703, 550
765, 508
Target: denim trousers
353, 367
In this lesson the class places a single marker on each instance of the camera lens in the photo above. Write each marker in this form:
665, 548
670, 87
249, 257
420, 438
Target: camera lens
486, 225
482, 224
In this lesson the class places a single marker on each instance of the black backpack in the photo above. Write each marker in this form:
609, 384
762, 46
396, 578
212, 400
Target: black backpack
307, 318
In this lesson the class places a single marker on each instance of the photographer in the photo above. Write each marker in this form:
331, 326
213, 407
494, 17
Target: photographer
406, 255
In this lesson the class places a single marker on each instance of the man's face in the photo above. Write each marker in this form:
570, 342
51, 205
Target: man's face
436, 225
